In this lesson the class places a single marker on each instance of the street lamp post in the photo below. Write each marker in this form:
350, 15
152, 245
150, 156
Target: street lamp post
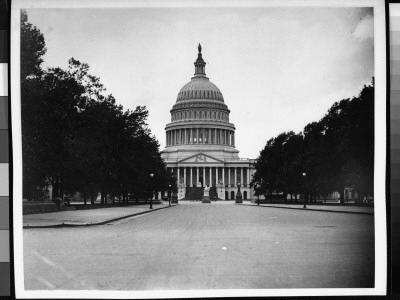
305, 189
238, 194
151, 183
169, 195
258, 195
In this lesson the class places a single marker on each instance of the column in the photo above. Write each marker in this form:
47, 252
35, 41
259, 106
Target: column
223, 175
229, 176
241, 176
234, 182
224, 137
233, 138
248, 176
178, 176
209, 136
197, 138
204, 176
184, 175
215, 136
197, 178
216, 175
191, 176
210, 176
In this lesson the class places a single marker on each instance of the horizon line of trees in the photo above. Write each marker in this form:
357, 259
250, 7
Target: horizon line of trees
78, 139
335, 153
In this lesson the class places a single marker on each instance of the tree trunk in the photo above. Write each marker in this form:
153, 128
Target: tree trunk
61, 189
92, 197
84, 198
56, 188
342, 197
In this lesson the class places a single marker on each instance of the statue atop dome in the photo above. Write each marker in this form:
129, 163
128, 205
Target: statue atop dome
199, 65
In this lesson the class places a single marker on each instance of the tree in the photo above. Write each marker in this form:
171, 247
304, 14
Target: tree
336, 152
33, 48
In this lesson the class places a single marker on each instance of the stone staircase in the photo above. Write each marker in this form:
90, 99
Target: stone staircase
196, 193
213, 193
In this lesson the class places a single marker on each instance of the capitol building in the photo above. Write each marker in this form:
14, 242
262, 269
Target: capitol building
200, 143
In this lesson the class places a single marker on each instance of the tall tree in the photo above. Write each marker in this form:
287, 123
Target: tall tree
33, 48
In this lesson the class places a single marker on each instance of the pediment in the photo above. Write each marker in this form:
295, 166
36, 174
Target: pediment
200, 158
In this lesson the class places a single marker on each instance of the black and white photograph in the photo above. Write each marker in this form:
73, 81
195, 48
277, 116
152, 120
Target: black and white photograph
201, 149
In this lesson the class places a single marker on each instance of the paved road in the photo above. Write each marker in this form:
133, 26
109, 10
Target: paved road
205, 246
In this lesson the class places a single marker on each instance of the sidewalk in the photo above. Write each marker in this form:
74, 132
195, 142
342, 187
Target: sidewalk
87, 217
329, 208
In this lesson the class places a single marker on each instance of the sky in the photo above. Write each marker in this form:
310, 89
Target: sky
278, 68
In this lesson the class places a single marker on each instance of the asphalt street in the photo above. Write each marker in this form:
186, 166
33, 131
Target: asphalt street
206, 246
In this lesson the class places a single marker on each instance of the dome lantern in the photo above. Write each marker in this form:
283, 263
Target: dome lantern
199, 65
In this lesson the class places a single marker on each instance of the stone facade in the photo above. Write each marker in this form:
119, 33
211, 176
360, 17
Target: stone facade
200, 141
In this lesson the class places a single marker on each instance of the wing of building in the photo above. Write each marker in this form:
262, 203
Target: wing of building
200, 142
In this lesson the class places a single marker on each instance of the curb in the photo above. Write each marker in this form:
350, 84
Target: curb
312, 209
77, 224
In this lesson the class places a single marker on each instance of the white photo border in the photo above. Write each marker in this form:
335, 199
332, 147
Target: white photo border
380, 150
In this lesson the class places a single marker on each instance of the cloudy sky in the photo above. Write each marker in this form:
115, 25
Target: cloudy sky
278, 68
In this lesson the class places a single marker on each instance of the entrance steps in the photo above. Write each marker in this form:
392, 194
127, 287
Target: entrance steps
196, 193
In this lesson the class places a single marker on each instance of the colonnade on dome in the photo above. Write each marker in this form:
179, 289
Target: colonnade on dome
188, 136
